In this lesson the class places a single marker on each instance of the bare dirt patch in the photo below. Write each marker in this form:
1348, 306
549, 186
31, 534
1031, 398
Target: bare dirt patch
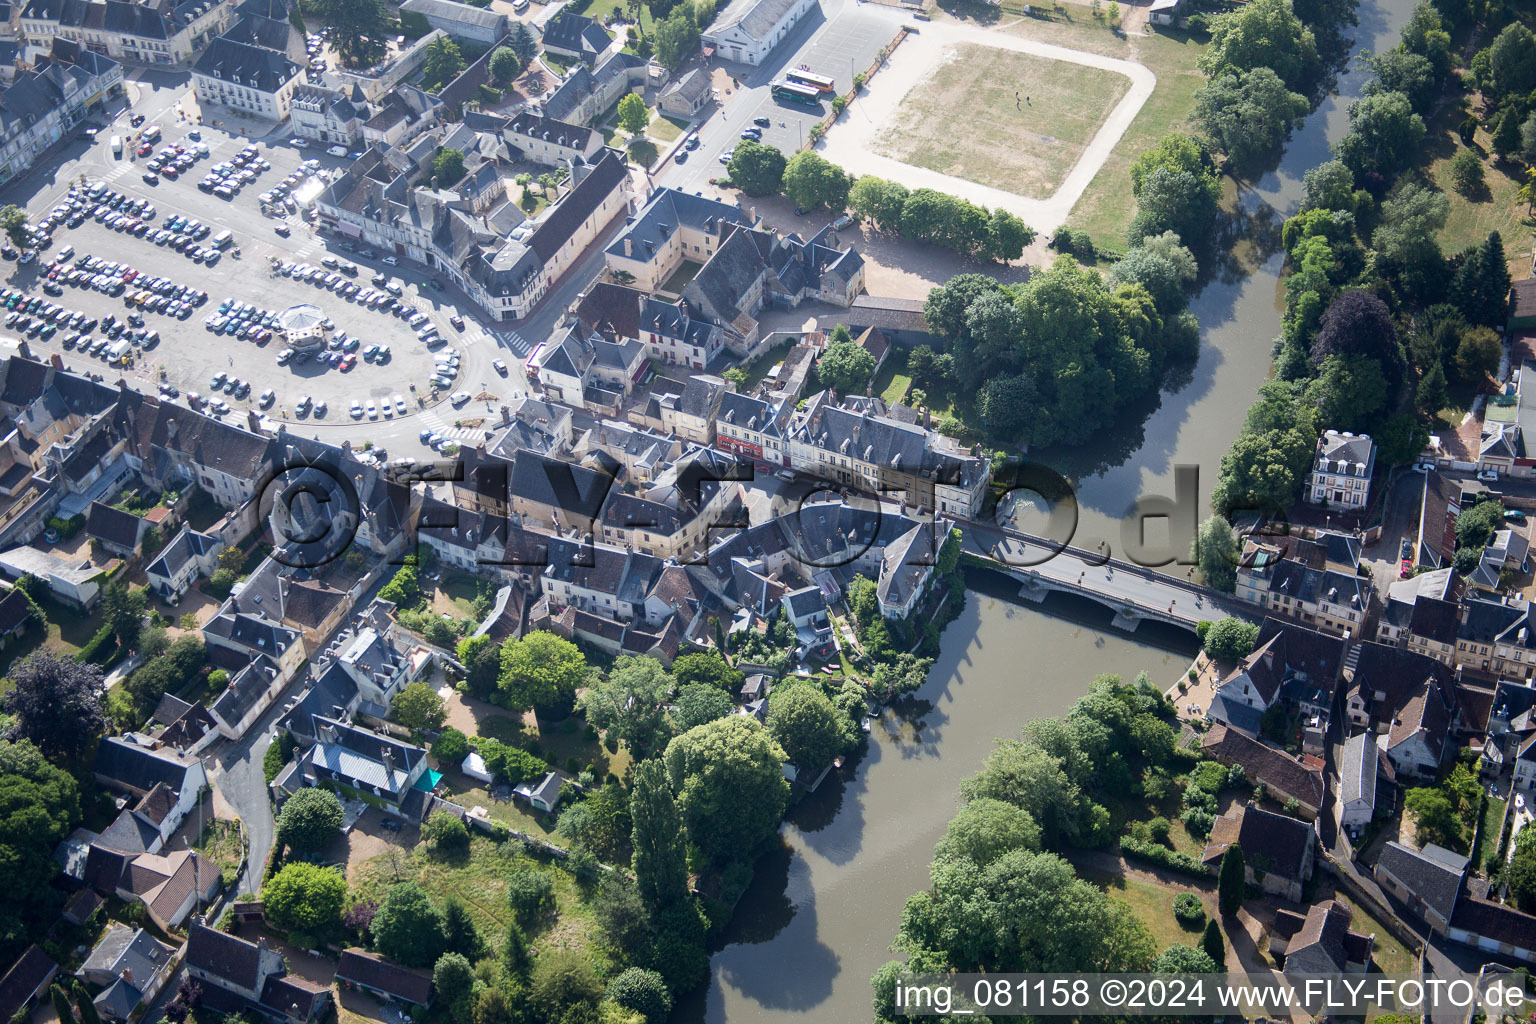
1001, 118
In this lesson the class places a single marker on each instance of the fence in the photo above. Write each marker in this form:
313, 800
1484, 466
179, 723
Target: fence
826, 123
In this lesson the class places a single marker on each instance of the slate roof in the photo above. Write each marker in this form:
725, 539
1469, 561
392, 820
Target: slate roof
130, 832
1434, 874
223, 956
555, 483
1275, 768
133, 949
756, 18
185, 546
118, 1000
576, 33
26, 976
246, 688
246, 65
448, 10
1496, 921
1357, 773
138, 767
113, 526
669, 209
1275, 841
358, 754
1326, 926
15, 611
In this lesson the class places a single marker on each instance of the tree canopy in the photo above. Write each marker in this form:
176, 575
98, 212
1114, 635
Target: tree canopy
845, 366
805, 724
756, 169
358, 29
56, 703
541, 671
1264, 34
39, 806
407, 928
418, 706
811, 181
1249, 115
728, 779
303, 896
310, 819
630, 704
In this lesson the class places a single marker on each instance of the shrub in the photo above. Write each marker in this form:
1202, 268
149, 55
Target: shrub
452, 746
1158, 828
530, 894
445, 832
1188, 910
1171, 859
1198, 821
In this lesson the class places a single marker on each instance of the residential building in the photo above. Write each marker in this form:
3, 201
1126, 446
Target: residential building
240, 976
383, 978
123, 765
1408, 697
171, 885
686, 96
1284, 777
1429, 881
129, 966
672, 227
116, 531
672, 332
1495, 928
1313, 581
247, 79
748, 30
1357, 781
1321, 942
188, 557
24, 983
165, 32
587, 92
1341, 471
360, 763
576, 37
45, 102
75, 582
479, 25
1278, 851
754, 427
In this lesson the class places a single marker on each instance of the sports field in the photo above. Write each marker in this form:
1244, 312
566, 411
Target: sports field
1001, 118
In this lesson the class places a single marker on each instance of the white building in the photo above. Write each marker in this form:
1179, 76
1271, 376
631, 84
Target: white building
1341, 473
42, 104
748, 30
247, 79
157, 32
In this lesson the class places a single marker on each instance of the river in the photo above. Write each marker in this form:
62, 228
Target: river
820, 914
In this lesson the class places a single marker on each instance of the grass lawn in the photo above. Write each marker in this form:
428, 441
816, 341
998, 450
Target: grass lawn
1025, 149
600, 10
759, 367
1103, 211
1491, 208
680, 278
220, 843
1493, 819
665, 129
890, 382
470, 793
67, 632
1153, 906
1389, 956
455, 593
479, 879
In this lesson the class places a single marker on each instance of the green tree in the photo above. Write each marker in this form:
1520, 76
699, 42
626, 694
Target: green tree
521, 40
633, 114
451, 748
1181, 959
1033, 779
805, 724
756, 169
730, 785
481, 658
83, 1004
562, 980
699, 703
985, 829
1216, 551
1481, 286
1230, 879
358, 29
55, 703
418, 706
1466, 172
630, 704
404, 588
305, 897
707, 667
39, 805
1249, 115
1478, 354
659, 860
845, 366
601, 822
1264, 34
505, 66
1384, 135
530, 894
123, 610
541, 671
453, 979
811, 180
460, 933
1161, 265
310, 820
1431, 397
879, 201
444, 61
905, 674
676, 38
643, 991
447, 168
1411, 74
1231, 639
13, 221
61, 1007
1522, 872
1435, 817
445, 832
407, 928
1213, 944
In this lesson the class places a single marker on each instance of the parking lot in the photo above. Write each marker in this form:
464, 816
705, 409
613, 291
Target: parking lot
249, 270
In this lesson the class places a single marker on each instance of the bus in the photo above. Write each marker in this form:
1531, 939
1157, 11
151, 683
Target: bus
821, 83
794, 92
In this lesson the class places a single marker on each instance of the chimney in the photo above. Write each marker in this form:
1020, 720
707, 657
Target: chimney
388, 757
629, 246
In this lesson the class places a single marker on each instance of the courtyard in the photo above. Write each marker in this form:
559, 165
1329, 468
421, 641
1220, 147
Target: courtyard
1009, 120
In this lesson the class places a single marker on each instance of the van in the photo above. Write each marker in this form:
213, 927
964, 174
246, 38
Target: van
337, 151
117, 145
152, 133
223, 239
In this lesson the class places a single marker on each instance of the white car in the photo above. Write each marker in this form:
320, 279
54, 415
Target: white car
387, 409
320, 407
337, 151
268, 397
400, 405
391, 260
357, 409
500, 367
373, 411
297, 143
458, 398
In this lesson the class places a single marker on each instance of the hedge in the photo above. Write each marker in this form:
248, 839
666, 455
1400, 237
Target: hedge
96, 648
1171, 859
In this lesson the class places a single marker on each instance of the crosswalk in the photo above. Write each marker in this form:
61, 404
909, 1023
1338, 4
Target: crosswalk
433, 420
516, 342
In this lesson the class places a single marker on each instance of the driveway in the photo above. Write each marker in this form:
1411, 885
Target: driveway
850, 143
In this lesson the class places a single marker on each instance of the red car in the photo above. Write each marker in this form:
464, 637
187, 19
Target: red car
146, 149
348, 361
1405, 569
